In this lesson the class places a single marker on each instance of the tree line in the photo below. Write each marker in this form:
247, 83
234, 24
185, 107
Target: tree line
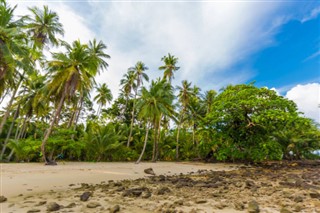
50, 115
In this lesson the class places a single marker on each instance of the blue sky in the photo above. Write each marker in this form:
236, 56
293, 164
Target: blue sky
275, 43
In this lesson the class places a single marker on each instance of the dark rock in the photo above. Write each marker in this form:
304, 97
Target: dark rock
135, 192
238, 206
3, 199
163, 190
93, 204
33, 210
51, 163
314, 194
284, 210
162, 178
146, 195
85, 196
149, 171
115, 209
70, 205
53, 207
253, 207
41, 203
200, 201
298, 199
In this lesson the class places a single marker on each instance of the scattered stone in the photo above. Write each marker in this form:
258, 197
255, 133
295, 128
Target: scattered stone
70, 205
149, 171
33, 210
163, 190
284, 210
238, 206
253, 207
298, 199
200, 201
115, 209
53, 206
314, 194
146, 195
85, 196
41, 203
3, 199
93, 204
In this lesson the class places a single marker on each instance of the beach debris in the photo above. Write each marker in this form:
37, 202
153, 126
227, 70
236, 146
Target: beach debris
85, 196
149, 171
70, 205
93, 204
33, 210
3, 199
115, 209
253, 207
41, 203
53, 206
163, 190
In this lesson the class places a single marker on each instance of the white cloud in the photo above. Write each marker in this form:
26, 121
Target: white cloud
307, 98
208, 38
314, 13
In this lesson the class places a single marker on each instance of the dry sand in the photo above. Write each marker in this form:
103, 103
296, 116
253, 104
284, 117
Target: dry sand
21, 180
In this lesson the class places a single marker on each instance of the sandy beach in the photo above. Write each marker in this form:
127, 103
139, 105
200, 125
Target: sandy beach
186, 187
27, 179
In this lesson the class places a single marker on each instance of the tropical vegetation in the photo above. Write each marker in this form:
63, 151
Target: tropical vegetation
49, 114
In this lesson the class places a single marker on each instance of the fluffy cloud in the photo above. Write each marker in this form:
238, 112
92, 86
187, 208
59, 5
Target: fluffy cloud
208, 38
307, 98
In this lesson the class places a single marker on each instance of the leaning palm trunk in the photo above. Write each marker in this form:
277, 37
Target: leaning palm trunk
144, 145
6, 115
77, 116
49, 130
131, 125
16, 114
177, 145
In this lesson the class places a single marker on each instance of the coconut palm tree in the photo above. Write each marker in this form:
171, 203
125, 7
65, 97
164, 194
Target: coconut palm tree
139, 75
169, 66
71, 72
186, 93
43, 27
153, 104
208, 99
103, 97
127, 84
14, 54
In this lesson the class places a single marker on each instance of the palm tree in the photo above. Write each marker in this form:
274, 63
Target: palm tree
14, 54
138, 72
71, 72
128, 83
153, 104
186, 93
43, 27
103, 97
169, 67
208, 99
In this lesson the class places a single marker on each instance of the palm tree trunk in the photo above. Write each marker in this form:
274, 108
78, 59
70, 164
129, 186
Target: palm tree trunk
16, 114
48, 132
177, 145
10, 155
144, 145
77, 116
132, 118
154, 143
6, 115
158, 139
4, 95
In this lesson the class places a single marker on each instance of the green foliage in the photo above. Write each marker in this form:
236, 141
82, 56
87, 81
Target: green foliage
25, 150
256, 124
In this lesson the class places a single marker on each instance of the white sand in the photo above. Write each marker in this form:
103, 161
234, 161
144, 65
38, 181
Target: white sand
30, 178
